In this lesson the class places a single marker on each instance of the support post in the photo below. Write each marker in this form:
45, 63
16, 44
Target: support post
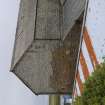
54, 100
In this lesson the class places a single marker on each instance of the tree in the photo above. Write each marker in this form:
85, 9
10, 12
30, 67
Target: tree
94, 88
78, 101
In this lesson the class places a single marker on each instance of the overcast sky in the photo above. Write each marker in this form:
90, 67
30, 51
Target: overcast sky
12, 90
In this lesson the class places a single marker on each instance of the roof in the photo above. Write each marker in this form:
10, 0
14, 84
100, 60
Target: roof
42, 59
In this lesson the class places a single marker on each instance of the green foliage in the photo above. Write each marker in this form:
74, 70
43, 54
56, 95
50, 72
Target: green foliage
78, 101
94, 88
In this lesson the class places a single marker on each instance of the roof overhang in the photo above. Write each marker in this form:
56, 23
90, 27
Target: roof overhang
46, 49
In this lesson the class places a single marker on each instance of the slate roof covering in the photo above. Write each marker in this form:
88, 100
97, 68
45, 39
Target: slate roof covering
45, 57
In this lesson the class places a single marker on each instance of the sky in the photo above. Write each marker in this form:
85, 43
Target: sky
12, 90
